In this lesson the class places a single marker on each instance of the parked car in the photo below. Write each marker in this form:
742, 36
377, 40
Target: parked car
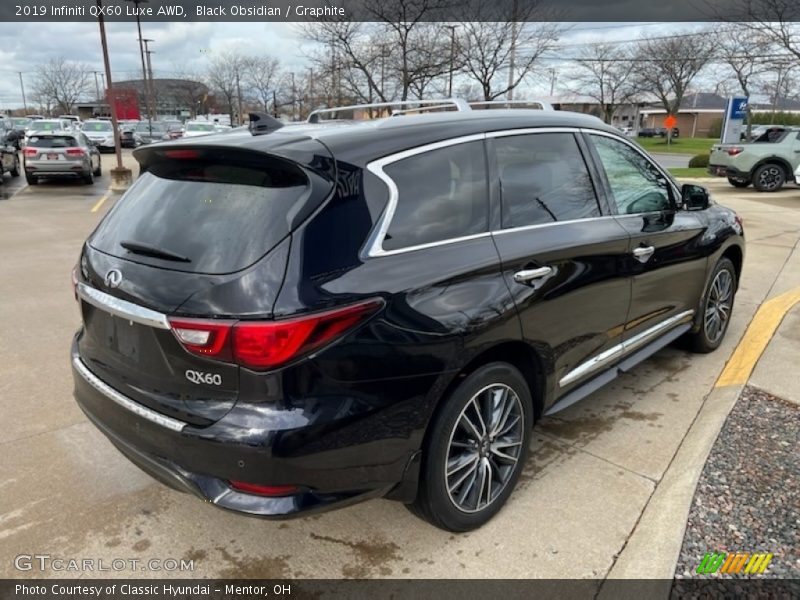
662, 132
9, 159
767, 162
174, 130
647, 132
198, 128
60, 154
101, 134
302, 317
128, 136
797, 175
150, 132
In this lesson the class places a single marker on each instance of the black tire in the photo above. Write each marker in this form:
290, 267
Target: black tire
98, 172
769, 177
707, 338
15, 169
501, 391
88, 178
739, 183
31, 179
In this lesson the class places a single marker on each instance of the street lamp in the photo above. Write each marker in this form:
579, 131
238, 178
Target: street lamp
121, 177
136, 4
152, 87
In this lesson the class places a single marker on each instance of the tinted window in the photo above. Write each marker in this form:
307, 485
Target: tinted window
544, 179
637, 186
222, 216
53, 142
199, 127
442, 194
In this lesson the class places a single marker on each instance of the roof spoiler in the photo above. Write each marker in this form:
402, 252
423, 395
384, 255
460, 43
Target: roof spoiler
262, 123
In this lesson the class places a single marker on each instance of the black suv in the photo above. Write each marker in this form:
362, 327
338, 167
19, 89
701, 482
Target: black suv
321, 314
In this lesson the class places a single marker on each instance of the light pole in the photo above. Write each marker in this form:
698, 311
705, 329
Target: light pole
22, 87
151, 84
121, 177
136, 4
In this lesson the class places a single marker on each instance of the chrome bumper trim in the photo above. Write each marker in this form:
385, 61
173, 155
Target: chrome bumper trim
122, 308
124, 401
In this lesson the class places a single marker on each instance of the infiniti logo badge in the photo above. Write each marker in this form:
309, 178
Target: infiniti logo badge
113, 278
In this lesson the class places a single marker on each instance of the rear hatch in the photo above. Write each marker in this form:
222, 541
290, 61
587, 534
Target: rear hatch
203, 233
54, 149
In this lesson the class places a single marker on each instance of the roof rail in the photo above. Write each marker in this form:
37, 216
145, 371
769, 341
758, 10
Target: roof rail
490, 104
403, 106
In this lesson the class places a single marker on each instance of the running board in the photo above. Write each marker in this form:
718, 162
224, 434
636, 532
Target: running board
623, 366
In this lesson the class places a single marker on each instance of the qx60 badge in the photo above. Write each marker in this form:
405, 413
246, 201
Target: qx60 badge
113, 278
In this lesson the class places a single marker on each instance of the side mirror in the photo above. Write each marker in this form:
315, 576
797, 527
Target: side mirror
694, 197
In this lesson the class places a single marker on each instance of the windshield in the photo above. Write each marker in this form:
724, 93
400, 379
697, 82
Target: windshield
48, 125
199, 127
97, 126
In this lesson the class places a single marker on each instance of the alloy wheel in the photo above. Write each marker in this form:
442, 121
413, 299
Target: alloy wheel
485, 446
770, 178
718, 306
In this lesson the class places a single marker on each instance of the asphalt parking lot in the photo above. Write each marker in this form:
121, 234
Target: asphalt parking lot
66, 492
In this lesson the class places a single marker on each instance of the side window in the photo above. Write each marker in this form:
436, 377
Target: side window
442, 195
637, 186
544, 179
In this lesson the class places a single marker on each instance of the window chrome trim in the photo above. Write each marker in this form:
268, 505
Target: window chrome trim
374, 244
636, 147
529, 130
607, 356
122, 308
554, 223
124, 401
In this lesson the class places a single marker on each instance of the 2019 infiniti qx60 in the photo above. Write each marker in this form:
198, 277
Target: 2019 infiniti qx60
321, 314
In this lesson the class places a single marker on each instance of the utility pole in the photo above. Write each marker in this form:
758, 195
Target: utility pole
239, 96
150, 82
553, 80
512, 54
136, 4
22, 87
294, 99
96, 85
121, 177
452, 29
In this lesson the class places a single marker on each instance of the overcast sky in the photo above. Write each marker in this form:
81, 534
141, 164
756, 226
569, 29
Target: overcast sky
182, 47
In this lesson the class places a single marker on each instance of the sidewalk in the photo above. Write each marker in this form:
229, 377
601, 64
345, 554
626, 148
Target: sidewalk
735, 476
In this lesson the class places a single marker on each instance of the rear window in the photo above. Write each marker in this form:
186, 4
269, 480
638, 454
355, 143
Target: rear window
221, 216
48, 125
56, 141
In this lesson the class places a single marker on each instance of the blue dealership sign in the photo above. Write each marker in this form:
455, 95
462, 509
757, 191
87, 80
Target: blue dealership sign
738, 108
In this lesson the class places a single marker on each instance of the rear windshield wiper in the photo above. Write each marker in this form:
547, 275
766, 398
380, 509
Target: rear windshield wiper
154, 251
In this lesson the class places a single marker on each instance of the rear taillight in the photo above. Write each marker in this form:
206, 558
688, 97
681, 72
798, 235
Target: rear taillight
30, 152
264, 490
733, 151
264, 345
204, 337
75, 152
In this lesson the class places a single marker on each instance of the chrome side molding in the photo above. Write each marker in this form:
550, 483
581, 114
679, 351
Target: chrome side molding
608, 356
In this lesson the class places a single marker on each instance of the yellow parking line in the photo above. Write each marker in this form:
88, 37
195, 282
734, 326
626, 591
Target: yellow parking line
100, 202
754, 342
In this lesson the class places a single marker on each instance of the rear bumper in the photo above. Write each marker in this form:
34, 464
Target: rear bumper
56, 167
258, 444
728, 171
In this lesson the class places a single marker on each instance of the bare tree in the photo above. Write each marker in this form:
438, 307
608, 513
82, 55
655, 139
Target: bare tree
776, 20
499, 49
666, 66
61, 83
263, 78
225, 74
189, 91
603, 73
743, 50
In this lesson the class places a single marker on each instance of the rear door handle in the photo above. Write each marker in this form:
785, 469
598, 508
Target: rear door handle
529, 275
643, 253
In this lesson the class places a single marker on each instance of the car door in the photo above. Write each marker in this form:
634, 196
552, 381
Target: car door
560, 255
666, 263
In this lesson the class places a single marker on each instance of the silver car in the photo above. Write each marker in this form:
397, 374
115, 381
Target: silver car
101, 134
60, 153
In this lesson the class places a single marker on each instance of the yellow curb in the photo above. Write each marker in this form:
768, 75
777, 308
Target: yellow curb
752, 345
